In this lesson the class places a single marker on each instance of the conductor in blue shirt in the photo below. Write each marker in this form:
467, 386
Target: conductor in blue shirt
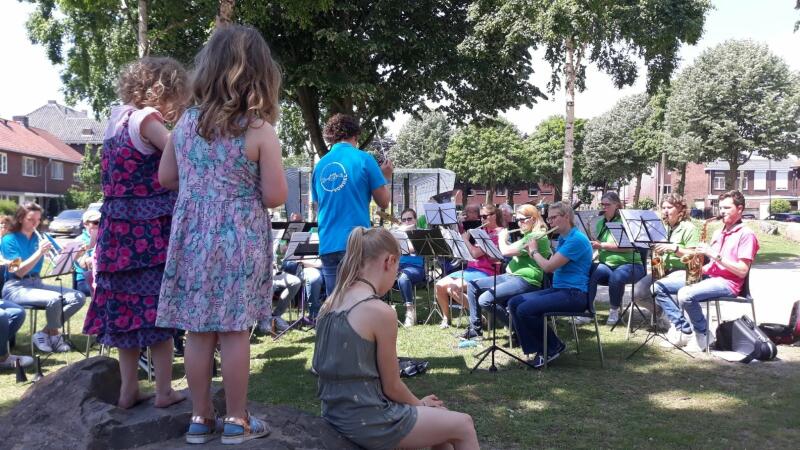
344, 181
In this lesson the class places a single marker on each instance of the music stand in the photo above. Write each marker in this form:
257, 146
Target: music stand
585, 221
300, 248
63, 265
619, 232
440, 213
485, 243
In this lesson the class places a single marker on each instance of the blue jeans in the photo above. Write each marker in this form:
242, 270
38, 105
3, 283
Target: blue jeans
313, 281
11, 318
409, 275
330, 265
83, 286
528, 313
33, 292
480, 295
688, 299
615, 279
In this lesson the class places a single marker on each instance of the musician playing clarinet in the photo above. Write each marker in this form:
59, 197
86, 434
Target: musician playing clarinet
731, 252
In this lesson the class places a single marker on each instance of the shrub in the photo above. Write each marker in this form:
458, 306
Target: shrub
8, 207
779, 205
645, 203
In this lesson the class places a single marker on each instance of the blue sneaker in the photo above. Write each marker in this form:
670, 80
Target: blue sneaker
239, 430
538, 360
202, 429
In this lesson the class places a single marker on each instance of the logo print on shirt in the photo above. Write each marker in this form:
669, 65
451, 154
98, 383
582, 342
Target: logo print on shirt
333, 177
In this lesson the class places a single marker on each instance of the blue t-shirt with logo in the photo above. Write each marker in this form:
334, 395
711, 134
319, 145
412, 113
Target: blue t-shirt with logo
574, 246
17, 245
343, 182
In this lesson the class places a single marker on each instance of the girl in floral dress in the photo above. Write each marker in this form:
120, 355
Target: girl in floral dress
225, 160
135, 224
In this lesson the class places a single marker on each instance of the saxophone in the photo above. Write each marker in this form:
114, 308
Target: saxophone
657, 265
694, 262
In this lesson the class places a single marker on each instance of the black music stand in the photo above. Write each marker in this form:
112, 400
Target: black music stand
485, 243
300, 248
63, 265
646, 227
619, 232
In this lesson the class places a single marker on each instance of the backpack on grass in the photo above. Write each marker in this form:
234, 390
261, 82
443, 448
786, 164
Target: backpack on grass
744, 337
785, 334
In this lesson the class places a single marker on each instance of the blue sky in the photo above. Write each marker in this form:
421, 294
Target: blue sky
28, 80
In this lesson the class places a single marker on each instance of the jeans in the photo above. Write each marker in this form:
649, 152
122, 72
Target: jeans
290, 285
83, 287
528, 313
330, 266
409, 275
688, 299
11, 318
480, 295
32, 292
313, 282
616, 279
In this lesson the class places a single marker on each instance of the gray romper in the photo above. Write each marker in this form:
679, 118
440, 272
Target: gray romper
350, 387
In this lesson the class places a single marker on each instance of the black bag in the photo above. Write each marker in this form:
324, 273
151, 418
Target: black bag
785, 334
410, 367
743, 336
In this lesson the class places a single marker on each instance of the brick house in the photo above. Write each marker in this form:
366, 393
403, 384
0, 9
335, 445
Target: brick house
34, 164
75, 128
517, 194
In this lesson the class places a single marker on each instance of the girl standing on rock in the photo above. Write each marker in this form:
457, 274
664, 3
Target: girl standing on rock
225, 160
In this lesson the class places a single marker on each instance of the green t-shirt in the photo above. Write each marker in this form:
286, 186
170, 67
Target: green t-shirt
614, 259
523, 265
685, 235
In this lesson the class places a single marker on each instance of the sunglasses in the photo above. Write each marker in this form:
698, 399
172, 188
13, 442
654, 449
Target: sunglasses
93, 222
606, 205
521, 218
407, 219
484, 216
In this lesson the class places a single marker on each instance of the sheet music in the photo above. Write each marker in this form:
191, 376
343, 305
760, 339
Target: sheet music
297, 238
402, 239
619, 234
485, 243
457, 245
440, 213
65, 259
586, 221
644, 226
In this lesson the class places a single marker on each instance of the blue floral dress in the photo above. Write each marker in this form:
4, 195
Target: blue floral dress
218, 276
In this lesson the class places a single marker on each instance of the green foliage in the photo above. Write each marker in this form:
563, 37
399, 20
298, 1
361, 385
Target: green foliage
8, 207
87, 188
645, 203
585, 196
488, 155
737, 98
618, 144
779, 205
545, 148
422, 142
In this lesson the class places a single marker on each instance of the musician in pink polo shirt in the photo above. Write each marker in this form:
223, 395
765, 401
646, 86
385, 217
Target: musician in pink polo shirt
731, 252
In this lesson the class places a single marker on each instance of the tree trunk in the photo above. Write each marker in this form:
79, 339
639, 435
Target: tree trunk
144, 44
225, 15
730, 175
490, 193
638, 189
682, 182
309, 106
569, 128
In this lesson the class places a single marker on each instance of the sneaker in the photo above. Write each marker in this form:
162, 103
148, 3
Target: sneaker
699, 341
444, 324
538, 360
411, 316
59, 344
203, 429
280, 324
11, 361
613, 316
237, 431
471, 333
675, 338
582, 320
42, 342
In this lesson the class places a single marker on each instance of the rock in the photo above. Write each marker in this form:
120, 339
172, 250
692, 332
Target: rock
75, 408
793, 231
768, 227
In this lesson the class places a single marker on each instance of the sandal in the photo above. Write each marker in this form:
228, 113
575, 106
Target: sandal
202, 429
239, 430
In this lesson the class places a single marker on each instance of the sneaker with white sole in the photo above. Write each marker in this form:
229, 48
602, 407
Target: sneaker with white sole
675, 338
613, 316
59, 344
411, 316
582, 320
11, 361
41, 341
444, 324
699, 341
280, 324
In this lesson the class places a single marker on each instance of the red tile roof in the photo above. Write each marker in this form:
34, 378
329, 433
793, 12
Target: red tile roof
14, 137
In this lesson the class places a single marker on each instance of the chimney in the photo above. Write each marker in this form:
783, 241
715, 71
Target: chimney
22, 120
52, 102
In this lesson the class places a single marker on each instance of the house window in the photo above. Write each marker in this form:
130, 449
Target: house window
781, 181
57, 170
480, 191
470, 192
666, 189
719, 183
30, 167
533, 191
501, 192
760, 180
3, 163
741, 182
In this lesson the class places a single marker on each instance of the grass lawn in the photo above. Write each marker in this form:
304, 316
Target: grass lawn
659, 398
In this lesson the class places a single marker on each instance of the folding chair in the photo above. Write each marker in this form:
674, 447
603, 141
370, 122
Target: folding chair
590, 313
743, 297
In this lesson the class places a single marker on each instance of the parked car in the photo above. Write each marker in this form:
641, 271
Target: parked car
68, 222
784, 217
748, 216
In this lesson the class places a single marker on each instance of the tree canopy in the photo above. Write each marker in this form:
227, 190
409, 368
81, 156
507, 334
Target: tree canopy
422, 143
738, 98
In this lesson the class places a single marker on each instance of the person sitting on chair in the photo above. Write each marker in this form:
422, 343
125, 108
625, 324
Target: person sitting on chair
522, 273
11, 318
570, 266
355, 355
452, 285
411, 271
617, 266
83, 265
25, 288
731, 251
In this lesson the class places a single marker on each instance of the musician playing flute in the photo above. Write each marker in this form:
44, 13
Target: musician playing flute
25, 288
731, 252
